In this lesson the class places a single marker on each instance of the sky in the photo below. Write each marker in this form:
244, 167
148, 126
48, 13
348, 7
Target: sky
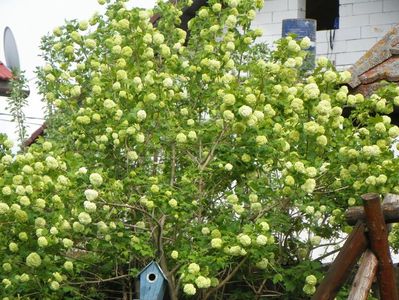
29, 21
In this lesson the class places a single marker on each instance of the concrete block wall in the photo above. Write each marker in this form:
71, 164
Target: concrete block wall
361, 24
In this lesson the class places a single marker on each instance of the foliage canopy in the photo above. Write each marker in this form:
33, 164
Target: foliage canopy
220, 164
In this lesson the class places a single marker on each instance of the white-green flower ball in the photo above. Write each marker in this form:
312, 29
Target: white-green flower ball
33, 260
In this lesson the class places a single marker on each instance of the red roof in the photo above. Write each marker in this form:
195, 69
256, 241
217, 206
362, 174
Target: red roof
5, 73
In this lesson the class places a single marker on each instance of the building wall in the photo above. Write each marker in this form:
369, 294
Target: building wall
361, 24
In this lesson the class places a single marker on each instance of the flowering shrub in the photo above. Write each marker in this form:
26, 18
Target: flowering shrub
221, 165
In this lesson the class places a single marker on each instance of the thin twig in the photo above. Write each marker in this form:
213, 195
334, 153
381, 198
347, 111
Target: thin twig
173, 162
210, 154
226, 280
100, 280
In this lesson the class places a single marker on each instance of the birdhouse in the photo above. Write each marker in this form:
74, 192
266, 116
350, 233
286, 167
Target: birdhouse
152, 282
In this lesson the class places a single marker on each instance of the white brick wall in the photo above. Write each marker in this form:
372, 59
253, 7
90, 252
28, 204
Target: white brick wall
361, 24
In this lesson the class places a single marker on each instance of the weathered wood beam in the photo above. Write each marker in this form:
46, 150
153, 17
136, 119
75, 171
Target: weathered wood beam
364, 277
378, 239
390, 210
339, 271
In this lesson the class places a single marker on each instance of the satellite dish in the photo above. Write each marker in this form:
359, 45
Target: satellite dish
10, 50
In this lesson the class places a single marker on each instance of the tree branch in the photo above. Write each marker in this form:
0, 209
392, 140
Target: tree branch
227, 279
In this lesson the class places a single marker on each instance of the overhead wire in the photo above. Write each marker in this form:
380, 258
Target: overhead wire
29, 123
27, 117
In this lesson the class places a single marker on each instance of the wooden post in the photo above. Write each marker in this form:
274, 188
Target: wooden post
378, 239
339, 271
390, 208
364, 277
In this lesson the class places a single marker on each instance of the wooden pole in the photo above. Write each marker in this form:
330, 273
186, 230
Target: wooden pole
390, 209
339, 271
378, 239
364, 277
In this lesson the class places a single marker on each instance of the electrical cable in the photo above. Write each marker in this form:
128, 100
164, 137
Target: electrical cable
32, 118
29, 123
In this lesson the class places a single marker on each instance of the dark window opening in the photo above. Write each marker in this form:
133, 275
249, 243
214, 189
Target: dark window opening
326, 12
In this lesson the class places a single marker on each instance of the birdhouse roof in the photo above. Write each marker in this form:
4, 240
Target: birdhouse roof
157, 266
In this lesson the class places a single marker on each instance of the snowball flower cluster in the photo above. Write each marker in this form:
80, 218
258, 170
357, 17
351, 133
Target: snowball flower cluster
174, 254
305, 43
245, 111
33, 260
189, 289
229, 99
141, 115
91, 195
373, 150
68, 265
193, 268
109, 104
310, 285
324, 107
315, 240
216, 243
244, 239
261, 240
42, 242
262, 264
4, 208
96, 179
181, 138
90, 206
203, 282
309, 186
51, 162
311, 91
228, 167
84, 218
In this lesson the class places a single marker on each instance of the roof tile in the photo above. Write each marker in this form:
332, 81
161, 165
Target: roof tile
5, 73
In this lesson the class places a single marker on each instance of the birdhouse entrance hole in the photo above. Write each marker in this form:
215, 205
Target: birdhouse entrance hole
151, 277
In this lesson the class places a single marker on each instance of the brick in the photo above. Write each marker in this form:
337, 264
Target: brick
384, 18
346, 10
272, 29
348, 58
340, 47
262, 18
354, 21
279, 16
302, 13
322, 36
361, 45
323, 48
297, 4
377, 31
367, 8
347, 33
390, 5
355, 1
276, 5
341, 34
